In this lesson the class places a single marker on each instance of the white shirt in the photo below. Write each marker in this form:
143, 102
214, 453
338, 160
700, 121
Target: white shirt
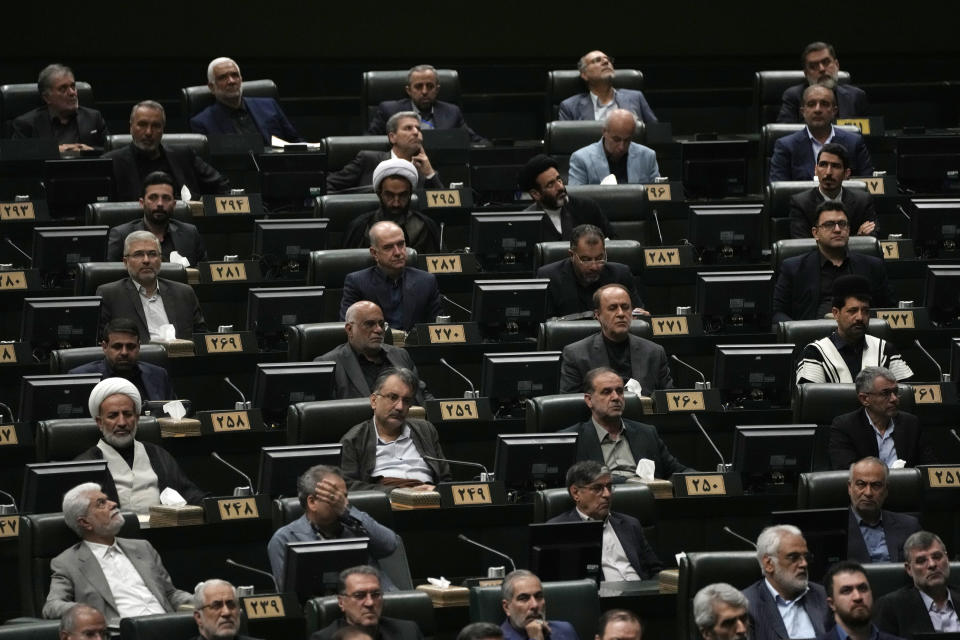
795, 617
613, 559
817, 145
600, 111
886, 450
554, 216
153, 309
400, 459
130, 592
944, 619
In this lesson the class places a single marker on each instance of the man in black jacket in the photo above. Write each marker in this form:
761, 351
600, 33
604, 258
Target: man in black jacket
540, 178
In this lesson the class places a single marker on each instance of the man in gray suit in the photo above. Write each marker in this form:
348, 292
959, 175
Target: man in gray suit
119, 576
614, 154
784, 603
614, 346
874, 534
596, 69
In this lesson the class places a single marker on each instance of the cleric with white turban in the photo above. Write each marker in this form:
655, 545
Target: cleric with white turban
395, 167
111, 386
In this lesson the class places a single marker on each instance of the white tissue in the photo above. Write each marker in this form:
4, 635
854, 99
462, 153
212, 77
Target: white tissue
176, 258
633, 387
168, 332
440, 582
610, 179
171, 498
645, 469
175, 410
185, 194
898, 464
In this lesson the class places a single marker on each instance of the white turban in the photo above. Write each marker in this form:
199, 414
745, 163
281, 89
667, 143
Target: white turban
395, 167
108, 387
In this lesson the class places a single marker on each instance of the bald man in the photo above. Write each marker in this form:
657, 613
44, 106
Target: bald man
614, 154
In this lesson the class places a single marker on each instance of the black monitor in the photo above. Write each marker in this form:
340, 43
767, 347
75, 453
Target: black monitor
954, 358
754, 376
508, 379
272, 311
714, 168
735, 301
58, 250
824, 530
277, 385
292, 176
528, 462
728, 235
567, 550
21, 166
44, 483
506, 241
50, 396
929, 164
312, 569
73, 184
935, 229
60, 323
280, 467
509, 310
772, 457
284, 246
943, 295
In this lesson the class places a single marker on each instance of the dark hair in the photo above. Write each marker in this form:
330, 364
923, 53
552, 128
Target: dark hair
585, 472
830, 205
362, 569
121, 325
817, 85
592, 233
480, 631
616, 615
307, 482
527, 178
48, 73
851, 286
816, 46
844, 566
158, 177
836, 149
406, 376
593, 374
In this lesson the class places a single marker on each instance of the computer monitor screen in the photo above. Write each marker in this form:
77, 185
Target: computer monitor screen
21, 166
281, 467
727, 235
943, 295
60, 323
714, 168
58, 250
508, 379
292, 176
277, 385
735, 301
44, 483
825, 531
929, 164
509, 310
283, 246
73, 184
47, 397
312, 568
771, 457
935, 229
533, 461
506, 241
754, 376
566, 550
272, 311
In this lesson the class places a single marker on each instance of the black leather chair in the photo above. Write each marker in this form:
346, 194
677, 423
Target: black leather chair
66, 438
887, 577
91, 275
800, 333
625, 206
737, 568
342, 209
343, 149
405, 605
330, 267
325, 421
161, 626
43, 536
30, 630
828, 489
379, 86
563, 83
307, 341
555, 335
575, 601
770, 133
562, 410
117, 213
63, 360
17, 99
768, 88
562, 137
196, 142
777, 195
197, 98
628, 252
632, 499
783, 249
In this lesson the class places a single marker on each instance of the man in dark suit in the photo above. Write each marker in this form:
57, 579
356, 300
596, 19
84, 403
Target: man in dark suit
423, 87
146, 298
541, 179
145, 154
406, 142
833, 167
851, 600
406, 295
596, 69
525, 606
75, 128
121, 350
874, 534
626, 553
217, 611
158, 201
930, 604
793, 155
574, 280
619, 444
363, 357
879, 429
388, 450
360, 598
820, 66
232, 113
78, 574
782, 553
804, 289
632, 357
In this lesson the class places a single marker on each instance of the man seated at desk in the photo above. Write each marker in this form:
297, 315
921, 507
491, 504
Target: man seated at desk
626, 553
821, 66
217, 611
526, 609
360, 598
873, 533
720, 613
540, 177
596, 70
615, 154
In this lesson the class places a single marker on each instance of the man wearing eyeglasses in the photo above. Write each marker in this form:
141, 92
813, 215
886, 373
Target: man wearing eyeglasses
626, 554
151, 301
360, 598
873, 533
785, 603
615, 154
388, 451
217, 611
879, 428
596, 70
930, 604
805, 286
821, 66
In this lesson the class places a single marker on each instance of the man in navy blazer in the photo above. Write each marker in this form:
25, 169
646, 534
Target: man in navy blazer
75, 128
798, 294
820, 66
596, 69
232, 113
873, 533
851, 600
406, 295
422, 88
591, 487
525, 606
615, 154
782, 553
794, 155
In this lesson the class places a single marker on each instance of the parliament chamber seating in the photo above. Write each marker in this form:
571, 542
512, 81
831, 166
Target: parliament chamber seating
342, 209
632, 499
113, 214
556, 334
577, 600
406, 605
783, 249
770, 133
737, 568
197, 98
800, 333
768, 88
63, 360
380, 86
828, 490
342, 149
628, 252
161, 626
625, 206
31, 630
196, 142
562, 137
17, 99
63, 439
563, 83
562, 410
330, 267
91, 275
325, 421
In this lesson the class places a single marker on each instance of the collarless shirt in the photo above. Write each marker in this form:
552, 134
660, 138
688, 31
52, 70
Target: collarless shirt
617, 455
875, 538
943, 619
613, 559
618, 167
130, 592
851, 352
795, 617
153, 309
242, 120
65, 132
553, 215
600, 111
816, 145
887, 451
827, 198
400, 459
828, 273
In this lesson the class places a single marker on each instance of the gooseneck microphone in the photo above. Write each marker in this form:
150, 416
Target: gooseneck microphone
473, 390
696, 421
491, 550
943, 378
237, 491
484, 475
740, 537
703, 379
243, 404
276, 587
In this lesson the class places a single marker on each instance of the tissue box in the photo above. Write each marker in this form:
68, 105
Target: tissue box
404, 498
662, 489
162, 515
446, 597
668, 579
177, 348
186, 428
